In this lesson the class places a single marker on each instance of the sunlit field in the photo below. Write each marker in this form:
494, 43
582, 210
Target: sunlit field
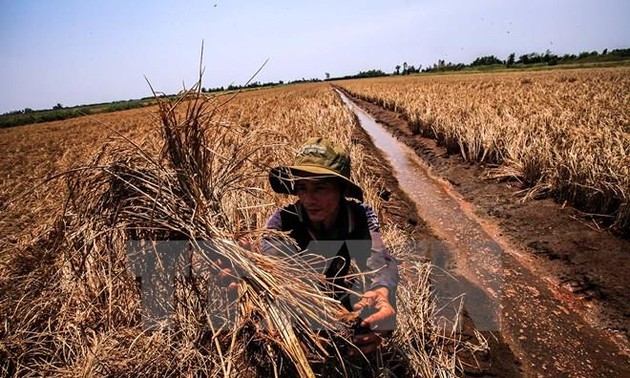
74, 193
562, 133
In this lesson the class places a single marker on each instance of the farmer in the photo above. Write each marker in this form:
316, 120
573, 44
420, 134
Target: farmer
330, 218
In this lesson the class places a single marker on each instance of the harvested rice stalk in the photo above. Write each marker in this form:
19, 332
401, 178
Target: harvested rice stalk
73, 303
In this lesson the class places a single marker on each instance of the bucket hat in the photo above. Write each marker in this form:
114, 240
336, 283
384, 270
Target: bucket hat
317, 158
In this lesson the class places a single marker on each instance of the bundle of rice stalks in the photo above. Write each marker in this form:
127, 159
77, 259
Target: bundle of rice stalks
125, 282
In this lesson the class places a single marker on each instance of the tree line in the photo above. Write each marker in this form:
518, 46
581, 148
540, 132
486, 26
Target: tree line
256, 84
547, 58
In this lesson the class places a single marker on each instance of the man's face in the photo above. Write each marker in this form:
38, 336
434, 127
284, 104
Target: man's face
320, 198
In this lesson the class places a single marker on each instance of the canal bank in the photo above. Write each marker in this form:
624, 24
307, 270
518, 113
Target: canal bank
503, 296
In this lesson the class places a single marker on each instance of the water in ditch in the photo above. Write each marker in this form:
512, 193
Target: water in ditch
464, 248
548, 335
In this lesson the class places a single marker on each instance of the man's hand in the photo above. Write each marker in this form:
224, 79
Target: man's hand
227, 278
226, 275
382, 318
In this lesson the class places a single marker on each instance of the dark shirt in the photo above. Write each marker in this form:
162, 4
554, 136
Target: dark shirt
378, 259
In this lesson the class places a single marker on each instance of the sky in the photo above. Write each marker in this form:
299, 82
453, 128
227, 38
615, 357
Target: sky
76, 52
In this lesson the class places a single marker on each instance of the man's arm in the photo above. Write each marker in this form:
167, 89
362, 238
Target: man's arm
380, 259
387, 268
379, 301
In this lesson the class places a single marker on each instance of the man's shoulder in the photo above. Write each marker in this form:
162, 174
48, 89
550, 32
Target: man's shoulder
283, 216
359, 205
368, 211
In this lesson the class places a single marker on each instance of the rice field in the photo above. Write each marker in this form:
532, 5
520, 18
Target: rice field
564, 134
75, 193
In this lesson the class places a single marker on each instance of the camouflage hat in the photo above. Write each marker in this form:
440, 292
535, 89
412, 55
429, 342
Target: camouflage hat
317, 158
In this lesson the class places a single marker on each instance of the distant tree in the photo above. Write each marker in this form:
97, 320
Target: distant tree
486, 61
371, 73
530, 58
587, 54
550, 58
510, 60
404, 68
535, 58
523, 59
398, 69
622, 53
57, 107
605, 52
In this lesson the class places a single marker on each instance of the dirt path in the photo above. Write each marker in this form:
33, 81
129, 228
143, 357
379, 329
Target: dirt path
551, 316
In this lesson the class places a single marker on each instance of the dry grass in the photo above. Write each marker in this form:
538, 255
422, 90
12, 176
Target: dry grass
563, 133
193, 170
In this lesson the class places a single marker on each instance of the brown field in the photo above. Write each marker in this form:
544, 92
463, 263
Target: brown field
562, 133
74, 192
37, 152
69, 306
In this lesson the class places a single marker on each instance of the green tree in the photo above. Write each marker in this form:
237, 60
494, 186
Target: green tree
486, 61
510, 60
584, 54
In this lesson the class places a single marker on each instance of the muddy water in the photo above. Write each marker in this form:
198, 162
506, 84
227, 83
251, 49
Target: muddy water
501, 294
465, 246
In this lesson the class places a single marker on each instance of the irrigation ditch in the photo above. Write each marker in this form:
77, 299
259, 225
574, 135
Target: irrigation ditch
533, 327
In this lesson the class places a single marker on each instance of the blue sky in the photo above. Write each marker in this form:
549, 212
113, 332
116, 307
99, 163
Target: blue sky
82, 51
